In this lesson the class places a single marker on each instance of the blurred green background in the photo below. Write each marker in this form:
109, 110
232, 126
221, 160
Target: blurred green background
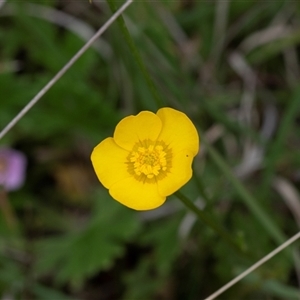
232, 67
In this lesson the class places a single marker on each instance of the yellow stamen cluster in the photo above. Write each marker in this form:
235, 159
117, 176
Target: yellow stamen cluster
149, 161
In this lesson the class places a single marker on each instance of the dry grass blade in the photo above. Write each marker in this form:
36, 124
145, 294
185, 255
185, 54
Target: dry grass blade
75, 25
31, 103
2, 2
292, 199
290, 195
264, 36
254, 267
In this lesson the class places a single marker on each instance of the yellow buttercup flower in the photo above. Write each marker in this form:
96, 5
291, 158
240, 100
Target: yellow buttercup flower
148, 158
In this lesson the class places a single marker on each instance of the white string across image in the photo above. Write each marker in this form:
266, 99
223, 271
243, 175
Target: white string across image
67, 66
34, 100
253, 267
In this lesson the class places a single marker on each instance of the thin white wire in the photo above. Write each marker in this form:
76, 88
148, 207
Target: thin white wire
253, 267
32, 102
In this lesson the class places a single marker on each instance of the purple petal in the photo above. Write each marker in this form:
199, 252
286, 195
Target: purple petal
12, 169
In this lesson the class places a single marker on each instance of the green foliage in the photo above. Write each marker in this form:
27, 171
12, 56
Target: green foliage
151, 274
81, 254
70, 239
12, 279
45, 293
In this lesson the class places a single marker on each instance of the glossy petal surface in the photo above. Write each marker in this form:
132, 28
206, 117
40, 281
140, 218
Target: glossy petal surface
109, 161
178, 131
132, 129
179, 174
136, 194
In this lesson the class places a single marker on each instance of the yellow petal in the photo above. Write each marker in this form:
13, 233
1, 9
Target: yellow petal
109, 161
178, 131
136, 194
178, 175
132, 129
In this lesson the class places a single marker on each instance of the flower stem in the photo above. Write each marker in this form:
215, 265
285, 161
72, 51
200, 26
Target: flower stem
206, 219
266, 222
7, 211
135, 52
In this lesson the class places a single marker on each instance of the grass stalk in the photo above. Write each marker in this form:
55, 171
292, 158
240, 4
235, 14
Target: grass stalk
137, 57
207, 220
264, 219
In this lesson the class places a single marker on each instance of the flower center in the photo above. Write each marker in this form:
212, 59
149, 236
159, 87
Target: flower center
149, 160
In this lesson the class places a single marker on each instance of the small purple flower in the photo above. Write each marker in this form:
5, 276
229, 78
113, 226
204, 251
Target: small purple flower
12, 169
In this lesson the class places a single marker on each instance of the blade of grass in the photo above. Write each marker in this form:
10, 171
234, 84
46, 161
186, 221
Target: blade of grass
137, 57
278, 145
206, 219
254, 267
66, 67
231, 125
266, 222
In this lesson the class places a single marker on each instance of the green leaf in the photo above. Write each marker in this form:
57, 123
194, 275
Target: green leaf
82, 254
